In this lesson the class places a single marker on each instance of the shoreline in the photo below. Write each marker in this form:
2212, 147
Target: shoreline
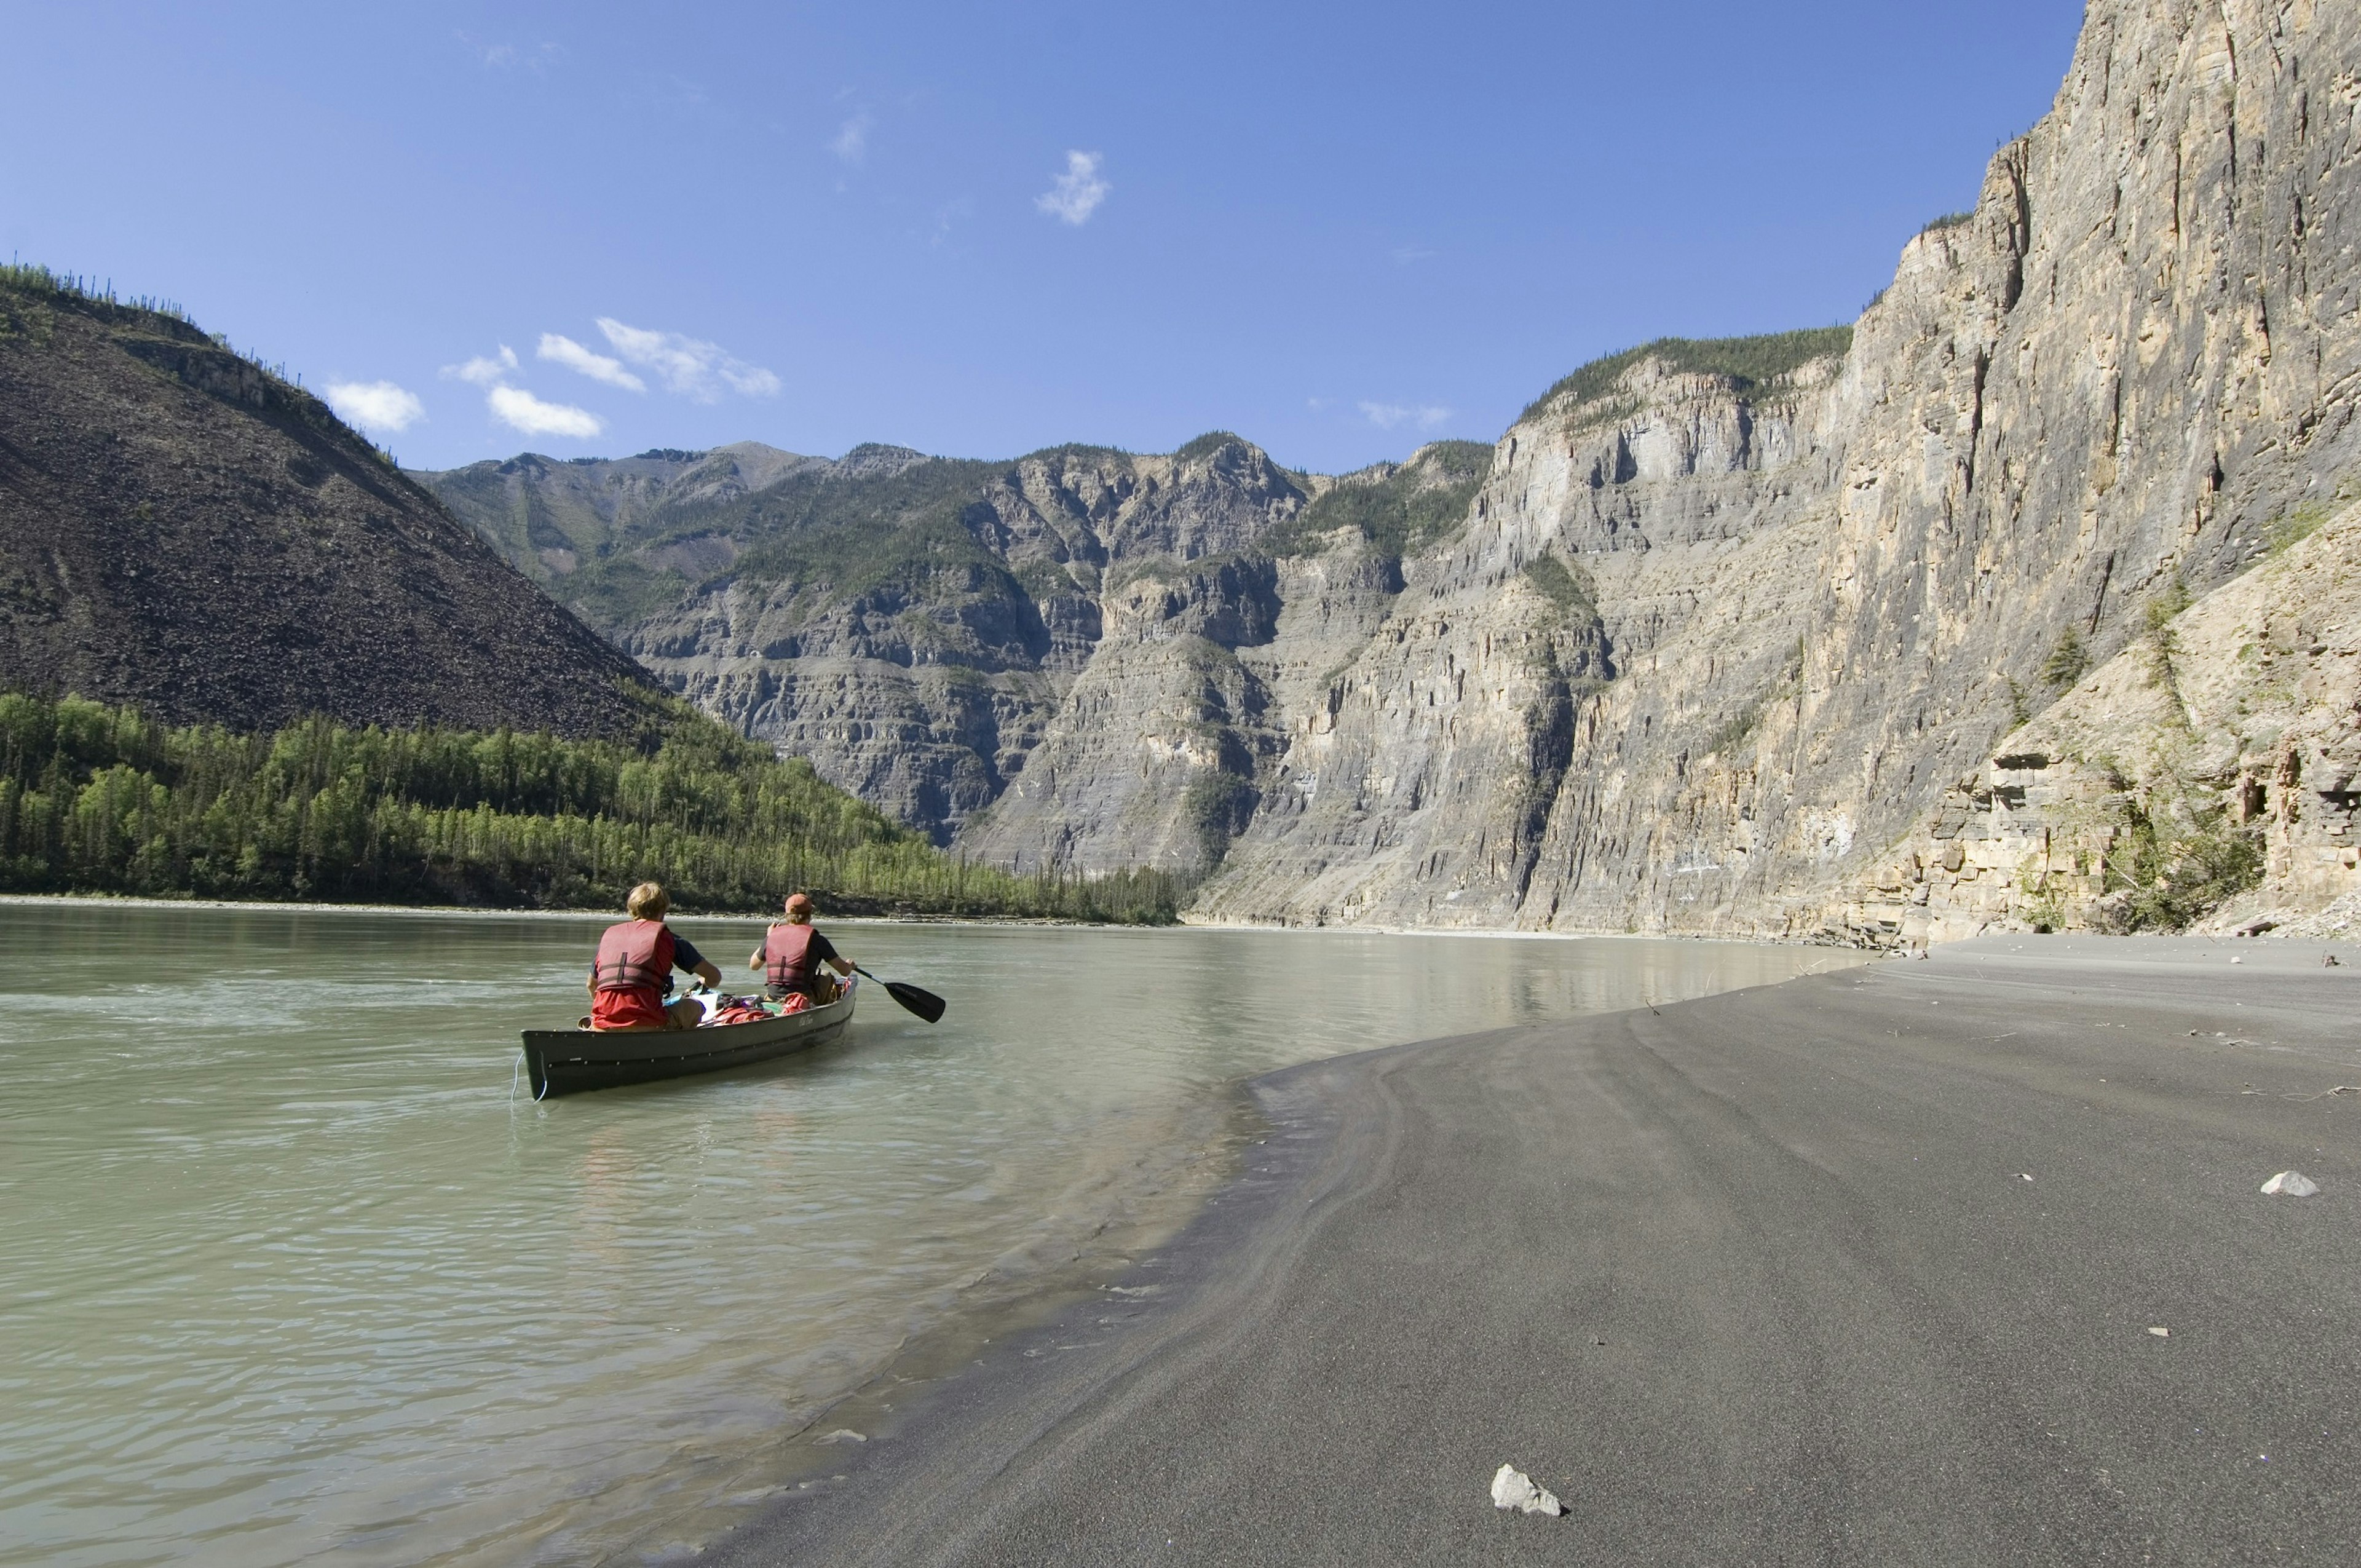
1076, 1100
1260, 928
476, 912
1443, 1256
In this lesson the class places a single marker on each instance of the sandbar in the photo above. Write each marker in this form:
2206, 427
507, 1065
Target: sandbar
1954, 1260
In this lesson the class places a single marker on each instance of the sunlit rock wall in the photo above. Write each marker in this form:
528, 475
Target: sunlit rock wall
1817, 614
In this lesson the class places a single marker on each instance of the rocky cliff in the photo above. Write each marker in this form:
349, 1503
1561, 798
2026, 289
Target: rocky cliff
927, 631
2207, 774
182, 528
1713, 636
1821, 599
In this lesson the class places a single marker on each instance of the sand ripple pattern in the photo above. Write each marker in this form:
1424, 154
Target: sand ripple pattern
286, 1271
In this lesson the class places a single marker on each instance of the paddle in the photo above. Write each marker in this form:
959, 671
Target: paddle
924, 1003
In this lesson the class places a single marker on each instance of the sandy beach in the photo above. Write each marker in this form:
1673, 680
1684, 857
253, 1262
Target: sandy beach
1954, 1260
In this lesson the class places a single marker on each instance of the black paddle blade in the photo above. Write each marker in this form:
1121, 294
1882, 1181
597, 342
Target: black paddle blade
924, 1003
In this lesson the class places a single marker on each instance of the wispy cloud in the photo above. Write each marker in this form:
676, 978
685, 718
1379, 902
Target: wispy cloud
375, 405
1390, 416
520, 410
1411, 255
484, 369
508, 56
562, 350
950, 216
688, 96
688, 365
1078, 191
850, 142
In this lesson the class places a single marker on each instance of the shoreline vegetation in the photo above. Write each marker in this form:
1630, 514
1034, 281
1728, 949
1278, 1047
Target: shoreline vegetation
96, 798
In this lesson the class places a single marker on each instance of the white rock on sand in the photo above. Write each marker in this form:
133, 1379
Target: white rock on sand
2293, 1183
1512, 1489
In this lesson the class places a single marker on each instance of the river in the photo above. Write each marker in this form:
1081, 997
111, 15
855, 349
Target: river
289, 1266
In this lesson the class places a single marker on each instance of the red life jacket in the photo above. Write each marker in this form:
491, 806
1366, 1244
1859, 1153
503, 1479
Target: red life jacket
787, 955
635, 955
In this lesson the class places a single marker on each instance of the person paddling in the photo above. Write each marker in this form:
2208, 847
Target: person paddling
792, 953
632, 973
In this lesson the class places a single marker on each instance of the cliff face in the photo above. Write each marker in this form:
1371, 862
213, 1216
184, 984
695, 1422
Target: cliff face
1713, 635
913, 625
1824, 600
2209, 770
1172, 739
182, 529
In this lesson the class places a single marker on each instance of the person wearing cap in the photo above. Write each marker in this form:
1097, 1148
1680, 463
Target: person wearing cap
792, 953
631, 976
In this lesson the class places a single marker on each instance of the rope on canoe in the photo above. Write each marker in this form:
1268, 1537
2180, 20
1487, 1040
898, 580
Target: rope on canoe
539, 1095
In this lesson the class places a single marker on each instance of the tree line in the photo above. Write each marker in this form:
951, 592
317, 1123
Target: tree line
100, 799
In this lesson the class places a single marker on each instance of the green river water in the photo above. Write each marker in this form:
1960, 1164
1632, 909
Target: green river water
289, 1271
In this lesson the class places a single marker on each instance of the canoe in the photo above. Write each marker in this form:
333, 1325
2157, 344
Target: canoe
569, 1061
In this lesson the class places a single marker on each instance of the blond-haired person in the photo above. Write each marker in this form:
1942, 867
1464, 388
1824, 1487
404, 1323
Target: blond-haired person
792, 953
631, 976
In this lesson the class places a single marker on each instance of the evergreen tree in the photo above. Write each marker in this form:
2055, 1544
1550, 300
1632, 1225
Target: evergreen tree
95, 798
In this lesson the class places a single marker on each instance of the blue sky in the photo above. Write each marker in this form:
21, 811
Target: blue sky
982, 229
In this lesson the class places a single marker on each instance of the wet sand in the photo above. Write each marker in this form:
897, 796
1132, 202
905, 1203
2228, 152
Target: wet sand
1864, 1267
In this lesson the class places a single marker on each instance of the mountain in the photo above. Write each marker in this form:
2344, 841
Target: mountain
1828, 597
1720, 637
913, 624
186, 530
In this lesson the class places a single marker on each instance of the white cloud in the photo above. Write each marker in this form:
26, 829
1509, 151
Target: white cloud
520, 410
950, 216
375, 405
688, 365
598, 366
1078, 191
506, 57
1411, 255
1387, 416
484, 369
850, 142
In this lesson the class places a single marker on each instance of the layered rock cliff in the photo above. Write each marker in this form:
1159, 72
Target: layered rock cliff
1711, 639
1823, 602
182, 528
2209, 771
929, 631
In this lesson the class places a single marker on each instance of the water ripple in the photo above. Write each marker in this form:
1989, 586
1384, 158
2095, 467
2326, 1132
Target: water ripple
286, 1269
